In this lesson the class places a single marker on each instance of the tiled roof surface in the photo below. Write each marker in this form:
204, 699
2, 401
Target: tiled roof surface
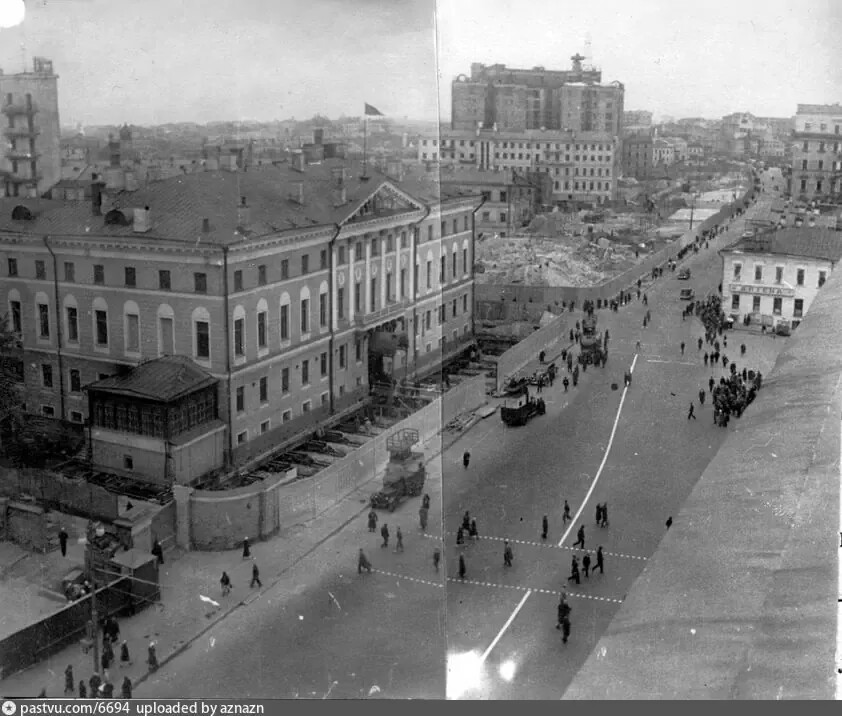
162, 379
179, 204
818, 243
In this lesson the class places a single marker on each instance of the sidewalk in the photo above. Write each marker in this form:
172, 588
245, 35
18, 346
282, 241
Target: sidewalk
181, 617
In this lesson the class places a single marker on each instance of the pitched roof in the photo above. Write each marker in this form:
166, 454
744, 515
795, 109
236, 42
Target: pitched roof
179, 204
816, 243
161, 379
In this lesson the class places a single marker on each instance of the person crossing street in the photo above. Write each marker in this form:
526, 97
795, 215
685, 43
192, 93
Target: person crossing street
586, 564
580, 537
599, 560
545, 526
508, 555
692, 413
566, 516
384, 533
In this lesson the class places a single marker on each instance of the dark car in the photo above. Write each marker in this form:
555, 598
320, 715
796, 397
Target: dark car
684, 274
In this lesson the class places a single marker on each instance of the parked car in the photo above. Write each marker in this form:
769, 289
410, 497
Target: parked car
687, 294
684, 274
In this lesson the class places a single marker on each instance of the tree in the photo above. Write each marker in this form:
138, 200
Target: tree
12, 419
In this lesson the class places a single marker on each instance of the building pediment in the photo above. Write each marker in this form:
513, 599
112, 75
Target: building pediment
386, 200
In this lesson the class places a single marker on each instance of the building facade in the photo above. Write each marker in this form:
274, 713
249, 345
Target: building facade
637, 156
292, 285
30, 157
774, 277
817, 152
637, 119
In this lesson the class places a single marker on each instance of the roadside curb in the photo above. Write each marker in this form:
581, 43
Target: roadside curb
246, 600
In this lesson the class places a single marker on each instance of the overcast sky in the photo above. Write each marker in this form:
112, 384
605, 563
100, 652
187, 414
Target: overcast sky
155, 61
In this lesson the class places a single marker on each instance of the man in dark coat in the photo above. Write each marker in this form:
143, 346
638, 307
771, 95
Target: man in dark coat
599, 560
462, 569
580, 537
545, 526
62, 540
586, 564
255, 576
574, 570
372, 521
384, 533
363, 563
466, 458
508, 555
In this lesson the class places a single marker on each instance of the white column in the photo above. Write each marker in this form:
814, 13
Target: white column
383, 272
334, 309
367, 275
349, 291
410, 265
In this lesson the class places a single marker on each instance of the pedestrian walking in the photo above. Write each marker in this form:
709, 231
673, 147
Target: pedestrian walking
105, 660
692, 413
702, 396
94, 683
436, 558
462, 569
724, 361
246, 548
724, 341
637, 347
255, 577
460, 536
563, 611
599, 560
586, 564
69, 681
398, 540
669, 522
508, 555
225, 582
545, 526
682, 347
742, 349
62, 541
604, 522
580, 537
598, 514
158, 552
473, 532
566, 513
574, 571
565, 383
422, 517
706, 358
372, 521
152, 656
466, 521
363, 563
711, 383
466, 458
126, 688
83, 690
125, 658
384, 533
565, 630
700, 343
107, 690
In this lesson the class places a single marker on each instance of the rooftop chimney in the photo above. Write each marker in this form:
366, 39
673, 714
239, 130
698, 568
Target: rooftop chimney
296, 193
142, 222
243, 213
338, 176
340, 197
298, 161
96, 195
205, 226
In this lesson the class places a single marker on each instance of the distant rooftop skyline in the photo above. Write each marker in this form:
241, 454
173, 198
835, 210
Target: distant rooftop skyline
118, 61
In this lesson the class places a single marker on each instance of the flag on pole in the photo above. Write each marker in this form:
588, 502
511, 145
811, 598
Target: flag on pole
372, 111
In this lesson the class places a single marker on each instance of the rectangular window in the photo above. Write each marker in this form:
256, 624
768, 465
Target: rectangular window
200, 282
464, 261
264, 389
403, 283
755, 304
373, 295
465, 303
822, 279
799, 277
735, 302
453, 265
261, 275
758, 273
305, 407
342, 356
305, 372
429, 274
430, 232
284, 380
340, 302
404, 240
286, 416
323, 364
48, 411
305, 264
323, 310
443, 228
737, 270
798, 308
443, 269
131, 276
241, 399
285, 322
358, 348
467, 223
238, 280
165, 325
101, 320
46, 375
429, 320
305, 315
242, 438
75, 381
69, 271
239, 337
164, 280
43, 320
17, 322
132, 333
40, 270
390, 243
99, 274
76, 416
264, 427
284, 268
777, 303
261, 329
323, 259
340, 255
13, 267
203, 340
453, 307
358, 297
375, 247
779, 274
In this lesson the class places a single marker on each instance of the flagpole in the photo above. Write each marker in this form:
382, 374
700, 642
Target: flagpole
365, 144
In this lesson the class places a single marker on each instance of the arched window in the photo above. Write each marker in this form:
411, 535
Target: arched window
262, 325
200, 320
70, 320
15, 315
99, 318
166, 330
131, 328
42, 317
305, 311
323, 317
284, 318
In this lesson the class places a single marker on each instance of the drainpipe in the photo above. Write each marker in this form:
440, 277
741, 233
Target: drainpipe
471, 274
330, 368
58, 330
415, 287
230, 452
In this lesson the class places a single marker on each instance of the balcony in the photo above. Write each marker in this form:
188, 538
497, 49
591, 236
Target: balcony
19, 108
392, 309
21, 155
13, 132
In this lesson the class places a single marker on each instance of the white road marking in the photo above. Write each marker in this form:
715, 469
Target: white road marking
550, 545
673, 362
575, 518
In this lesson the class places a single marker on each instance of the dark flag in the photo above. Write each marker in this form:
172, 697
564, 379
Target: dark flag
372, 111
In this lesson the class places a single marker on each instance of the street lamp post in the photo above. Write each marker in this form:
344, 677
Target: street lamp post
97, 531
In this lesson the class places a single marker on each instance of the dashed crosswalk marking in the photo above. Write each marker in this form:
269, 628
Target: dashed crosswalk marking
550, 545
496, 585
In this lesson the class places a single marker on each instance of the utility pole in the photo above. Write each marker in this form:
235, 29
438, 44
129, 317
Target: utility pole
90, 558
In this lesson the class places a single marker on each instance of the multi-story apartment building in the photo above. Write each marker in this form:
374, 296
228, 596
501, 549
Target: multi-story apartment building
289, 285
636, 119
663, 153
817, 152
637, 155
30, 156
774, 276
582, 166
519, 99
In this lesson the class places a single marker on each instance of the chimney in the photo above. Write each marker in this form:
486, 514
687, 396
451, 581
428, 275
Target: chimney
298, 161
205, 226
131, 181
318, 136
142, 222
114, 178
243, 213
340, 197
96, 195
337, 174
296, 193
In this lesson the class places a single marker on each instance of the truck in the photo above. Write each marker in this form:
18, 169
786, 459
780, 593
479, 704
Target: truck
522, 413
591, 341
405, 471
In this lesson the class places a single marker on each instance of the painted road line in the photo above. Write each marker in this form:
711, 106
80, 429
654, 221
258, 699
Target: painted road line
575, 518
549, 545
439, 585
520, 588
671, 362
